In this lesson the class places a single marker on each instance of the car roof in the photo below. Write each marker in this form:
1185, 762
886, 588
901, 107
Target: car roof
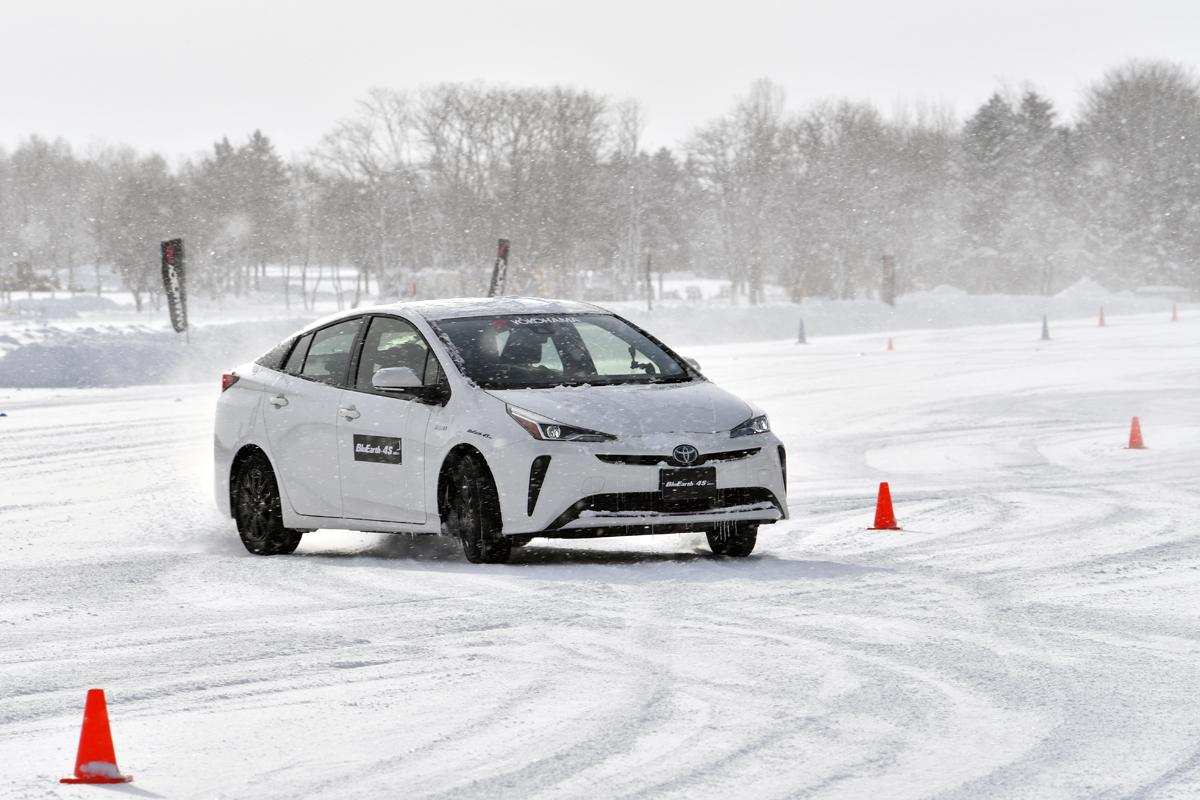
467, 307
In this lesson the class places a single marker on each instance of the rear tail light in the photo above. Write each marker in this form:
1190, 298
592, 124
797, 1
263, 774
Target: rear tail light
228, 379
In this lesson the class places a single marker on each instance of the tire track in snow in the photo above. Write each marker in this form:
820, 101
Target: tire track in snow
1030, 635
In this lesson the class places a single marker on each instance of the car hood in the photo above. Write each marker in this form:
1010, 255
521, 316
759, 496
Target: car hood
629, 410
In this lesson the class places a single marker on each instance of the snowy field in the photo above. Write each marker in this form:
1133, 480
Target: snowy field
1033, 632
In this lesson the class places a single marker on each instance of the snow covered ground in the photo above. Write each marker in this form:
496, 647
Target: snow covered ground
1033, 632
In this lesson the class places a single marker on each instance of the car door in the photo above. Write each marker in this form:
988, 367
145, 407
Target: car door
301, 414
381, 435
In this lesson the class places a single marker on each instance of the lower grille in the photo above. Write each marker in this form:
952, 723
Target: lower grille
653, 502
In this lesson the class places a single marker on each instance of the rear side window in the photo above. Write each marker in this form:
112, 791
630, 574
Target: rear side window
296, 360
329, 354
276, 356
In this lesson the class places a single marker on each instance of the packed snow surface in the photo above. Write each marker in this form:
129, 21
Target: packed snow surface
1032, 632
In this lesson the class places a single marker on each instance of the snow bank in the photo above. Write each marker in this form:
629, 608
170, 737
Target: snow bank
65, 306
942, 307
39, 355
114, 357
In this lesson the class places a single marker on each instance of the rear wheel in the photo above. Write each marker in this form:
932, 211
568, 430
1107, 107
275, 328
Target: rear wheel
258, 511
473, 513
736, 539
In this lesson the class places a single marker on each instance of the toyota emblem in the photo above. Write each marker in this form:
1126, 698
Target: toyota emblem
685, 454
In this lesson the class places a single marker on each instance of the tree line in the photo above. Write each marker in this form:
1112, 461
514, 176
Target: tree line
410, 195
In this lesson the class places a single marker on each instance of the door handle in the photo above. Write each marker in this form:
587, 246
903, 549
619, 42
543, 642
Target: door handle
279, 401
349, 412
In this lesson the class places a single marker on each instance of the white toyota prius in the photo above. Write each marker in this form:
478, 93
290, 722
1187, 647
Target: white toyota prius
494, 421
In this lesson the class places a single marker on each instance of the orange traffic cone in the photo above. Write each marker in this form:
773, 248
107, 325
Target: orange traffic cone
96, 762
885, 518
1135, 436
1101, 325
1174, 312
890, 345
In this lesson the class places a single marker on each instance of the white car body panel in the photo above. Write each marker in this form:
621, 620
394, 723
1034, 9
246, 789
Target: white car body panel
381, 490
302, 444
631, 411
312, 448
239, 422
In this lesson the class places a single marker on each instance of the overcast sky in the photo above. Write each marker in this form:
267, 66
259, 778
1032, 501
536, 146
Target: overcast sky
174, 75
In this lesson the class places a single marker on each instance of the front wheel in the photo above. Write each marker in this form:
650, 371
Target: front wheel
735, 539
473, 513
258, 511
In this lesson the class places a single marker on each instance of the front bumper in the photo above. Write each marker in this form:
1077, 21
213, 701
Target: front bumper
579, 494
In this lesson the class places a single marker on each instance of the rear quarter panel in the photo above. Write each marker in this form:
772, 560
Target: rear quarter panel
238, 422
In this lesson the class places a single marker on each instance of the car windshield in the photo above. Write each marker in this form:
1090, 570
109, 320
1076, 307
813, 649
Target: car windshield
528, 351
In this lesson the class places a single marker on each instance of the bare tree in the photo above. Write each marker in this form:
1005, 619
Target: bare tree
1140, 132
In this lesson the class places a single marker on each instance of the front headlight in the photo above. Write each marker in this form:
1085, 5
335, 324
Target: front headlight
546, 429
751, 426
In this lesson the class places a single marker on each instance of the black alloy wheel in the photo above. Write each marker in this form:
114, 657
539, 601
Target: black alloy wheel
734, 539
473, 513
258, 512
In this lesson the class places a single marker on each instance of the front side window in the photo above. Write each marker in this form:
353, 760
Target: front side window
530, 351
392, 342
329, 355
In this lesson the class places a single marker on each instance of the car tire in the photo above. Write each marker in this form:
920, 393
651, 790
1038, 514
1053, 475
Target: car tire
258, 510
473, 513
733, 539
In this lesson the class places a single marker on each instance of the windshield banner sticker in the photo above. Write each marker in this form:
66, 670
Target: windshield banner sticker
540, 320
379, 449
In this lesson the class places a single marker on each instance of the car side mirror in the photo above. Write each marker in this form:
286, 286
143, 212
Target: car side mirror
693, 363
394, 379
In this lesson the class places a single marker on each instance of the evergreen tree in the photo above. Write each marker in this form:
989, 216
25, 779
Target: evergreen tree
262, 184
1039, 241
216, 224
991, 149
145, 207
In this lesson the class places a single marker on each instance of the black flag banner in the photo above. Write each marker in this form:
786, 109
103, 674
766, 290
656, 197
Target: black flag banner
499, 269
174, 284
